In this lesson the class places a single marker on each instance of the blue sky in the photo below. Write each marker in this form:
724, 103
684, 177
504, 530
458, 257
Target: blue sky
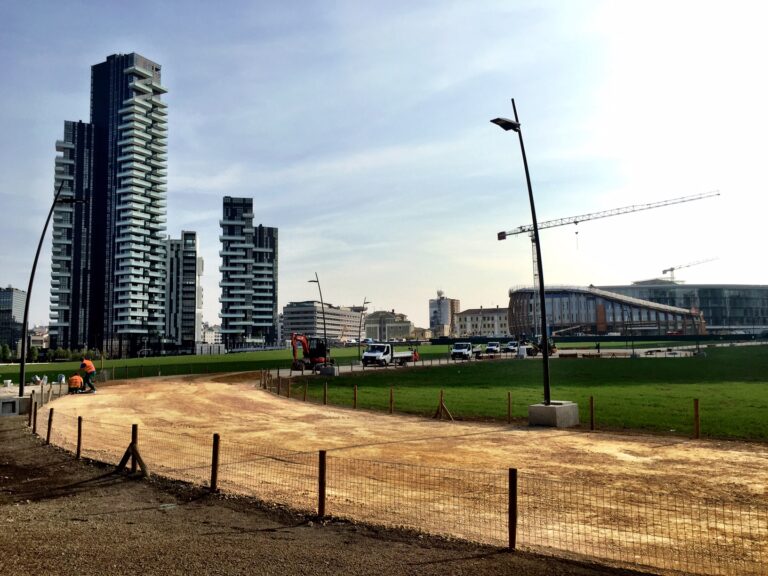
361, 130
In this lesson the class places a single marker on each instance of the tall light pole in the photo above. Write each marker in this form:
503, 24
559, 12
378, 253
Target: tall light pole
25, 321
322, 307
360, 327
514, 125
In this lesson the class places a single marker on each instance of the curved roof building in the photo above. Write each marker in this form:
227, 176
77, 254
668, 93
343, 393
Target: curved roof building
588, 310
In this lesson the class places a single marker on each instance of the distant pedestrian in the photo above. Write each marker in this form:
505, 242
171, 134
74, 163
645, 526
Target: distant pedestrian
598, 347
90, 373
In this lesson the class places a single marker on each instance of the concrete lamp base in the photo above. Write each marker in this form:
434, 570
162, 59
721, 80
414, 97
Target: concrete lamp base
559, 414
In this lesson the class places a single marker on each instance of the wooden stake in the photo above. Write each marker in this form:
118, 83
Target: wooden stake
321, 485
288, 387
512, 512
34, 418
134, 444
592, 413
325, 393
391, 399
79, 437
50, 424
509, 407
215, 463
354, 397
696, 421
306, 385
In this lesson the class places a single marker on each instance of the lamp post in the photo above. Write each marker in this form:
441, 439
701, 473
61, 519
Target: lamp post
322, 307
360, 327
514, 125
25, 321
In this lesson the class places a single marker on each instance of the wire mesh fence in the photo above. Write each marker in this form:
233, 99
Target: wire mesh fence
660, 532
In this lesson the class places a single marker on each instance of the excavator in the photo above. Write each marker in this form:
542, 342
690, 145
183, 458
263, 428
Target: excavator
314, 352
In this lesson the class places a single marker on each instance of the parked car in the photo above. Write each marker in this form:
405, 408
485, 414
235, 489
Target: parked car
493, 348
461, 351
510, 346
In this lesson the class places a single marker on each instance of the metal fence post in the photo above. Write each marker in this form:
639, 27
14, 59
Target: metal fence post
50, 424
215, 463
79, 437
135, 443
321, 485
512, 519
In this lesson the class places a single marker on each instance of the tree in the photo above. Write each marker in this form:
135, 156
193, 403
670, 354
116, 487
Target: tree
5, 353
34, 354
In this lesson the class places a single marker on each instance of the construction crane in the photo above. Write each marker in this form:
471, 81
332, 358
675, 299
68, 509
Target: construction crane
593, 216
672, 269
606, 214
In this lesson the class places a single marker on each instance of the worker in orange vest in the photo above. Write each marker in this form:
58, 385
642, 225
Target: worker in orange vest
74, 384
90, 372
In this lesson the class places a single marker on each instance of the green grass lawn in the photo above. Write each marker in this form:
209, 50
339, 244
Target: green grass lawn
652, 395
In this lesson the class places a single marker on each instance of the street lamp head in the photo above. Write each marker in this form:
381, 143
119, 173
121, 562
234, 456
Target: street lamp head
313, 281
502, 235
507, 124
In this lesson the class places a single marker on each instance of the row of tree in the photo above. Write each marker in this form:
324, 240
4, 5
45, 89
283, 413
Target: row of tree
60, 354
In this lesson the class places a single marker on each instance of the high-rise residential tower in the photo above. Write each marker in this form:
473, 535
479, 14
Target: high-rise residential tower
248, 277
120, 306
71, 302
442, 315
184, 295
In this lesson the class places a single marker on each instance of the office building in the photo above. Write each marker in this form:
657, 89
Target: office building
339, 323
249, 274
114, 299
442, 315
727, 308
184, 295
12, 302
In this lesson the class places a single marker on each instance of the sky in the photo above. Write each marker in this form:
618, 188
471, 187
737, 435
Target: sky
361, 130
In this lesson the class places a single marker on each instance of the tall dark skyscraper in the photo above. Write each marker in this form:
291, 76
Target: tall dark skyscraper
248, 277
108, 284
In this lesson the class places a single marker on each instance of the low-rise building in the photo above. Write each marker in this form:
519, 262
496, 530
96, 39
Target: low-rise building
491, 322
384, 325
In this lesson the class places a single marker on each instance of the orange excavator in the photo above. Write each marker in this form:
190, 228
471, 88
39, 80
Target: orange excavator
313, 349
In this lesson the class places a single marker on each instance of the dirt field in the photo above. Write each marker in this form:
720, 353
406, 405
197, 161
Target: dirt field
649, 471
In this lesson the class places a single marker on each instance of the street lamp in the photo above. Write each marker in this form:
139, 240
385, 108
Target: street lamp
514, 125
25, 321
322, 307
360, 327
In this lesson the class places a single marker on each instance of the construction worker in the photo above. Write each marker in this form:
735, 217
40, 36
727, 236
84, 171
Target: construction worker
74, 384
90, 372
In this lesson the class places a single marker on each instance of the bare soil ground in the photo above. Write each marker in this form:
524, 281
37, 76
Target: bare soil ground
653, 474
232, 406
61, 517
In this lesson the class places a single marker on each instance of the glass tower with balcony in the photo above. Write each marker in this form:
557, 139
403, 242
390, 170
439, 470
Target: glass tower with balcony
248, 278
122, 302
70, 310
